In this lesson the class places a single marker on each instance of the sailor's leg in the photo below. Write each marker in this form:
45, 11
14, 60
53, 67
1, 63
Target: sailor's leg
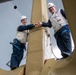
15, 55
60, 44
14, 59
66, 39
21, 52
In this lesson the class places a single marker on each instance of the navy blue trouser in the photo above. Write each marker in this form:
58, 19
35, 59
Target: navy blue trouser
17, 54
63, 40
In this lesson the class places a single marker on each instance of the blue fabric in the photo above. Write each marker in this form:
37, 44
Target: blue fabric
63, 32
67, 28
60, 31
15, 45
63, 40
17, 54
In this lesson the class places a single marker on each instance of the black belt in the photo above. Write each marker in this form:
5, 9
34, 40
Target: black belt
14, 43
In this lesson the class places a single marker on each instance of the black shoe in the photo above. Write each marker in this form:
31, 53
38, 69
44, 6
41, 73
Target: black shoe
65, 55
13, 68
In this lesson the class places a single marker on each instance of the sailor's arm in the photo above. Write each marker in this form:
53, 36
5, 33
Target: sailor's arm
48, 24
22, 28
63, 13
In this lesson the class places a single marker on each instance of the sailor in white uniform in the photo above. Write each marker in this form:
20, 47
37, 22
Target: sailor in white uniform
19, 43
59, 23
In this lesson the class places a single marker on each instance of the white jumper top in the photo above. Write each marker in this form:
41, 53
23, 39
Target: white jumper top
22, 36
58, 21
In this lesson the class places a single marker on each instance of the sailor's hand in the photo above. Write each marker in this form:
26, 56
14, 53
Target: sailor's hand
38, 24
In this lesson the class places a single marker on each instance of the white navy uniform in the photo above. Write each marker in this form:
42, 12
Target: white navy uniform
58, 21
62, 33
19, 44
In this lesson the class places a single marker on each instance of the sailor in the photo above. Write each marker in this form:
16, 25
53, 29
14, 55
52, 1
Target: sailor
59, 23
19, 43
